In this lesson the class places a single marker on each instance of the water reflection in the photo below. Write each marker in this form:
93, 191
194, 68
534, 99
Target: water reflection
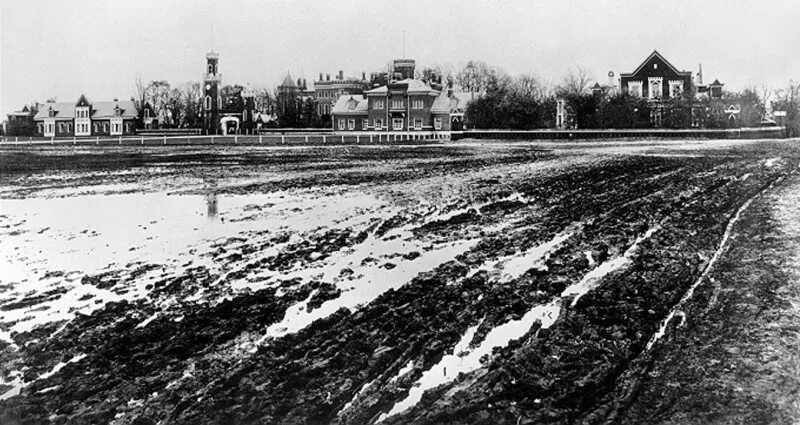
211, 200
211, 206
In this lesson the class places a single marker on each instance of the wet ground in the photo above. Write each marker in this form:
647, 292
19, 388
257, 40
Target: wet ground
645, 282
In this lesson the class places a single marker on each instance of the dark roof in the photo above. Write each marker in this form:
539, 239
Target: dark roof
716, 83
663, 59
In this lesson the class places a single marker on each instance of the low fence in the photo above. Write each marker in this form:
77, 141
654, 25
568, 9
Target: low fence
738, 133
251, 140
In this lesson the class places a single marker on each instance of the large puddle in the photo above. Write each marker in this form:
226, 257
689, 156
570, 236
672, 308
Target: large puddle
48, 245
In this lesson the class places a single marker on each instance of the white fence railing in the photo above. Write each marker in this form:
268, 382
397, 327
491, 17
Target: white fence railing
254, 139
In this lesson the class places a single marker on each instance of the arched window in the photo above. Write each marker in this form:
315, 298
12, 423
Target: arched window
208, 103
210, 69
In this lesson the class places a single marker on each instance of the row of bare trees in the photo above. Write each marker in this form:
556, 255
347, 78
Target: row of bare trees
180, 106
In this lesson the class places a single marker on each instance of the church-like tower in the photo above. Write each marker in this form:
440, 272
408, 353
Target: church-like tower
211, 99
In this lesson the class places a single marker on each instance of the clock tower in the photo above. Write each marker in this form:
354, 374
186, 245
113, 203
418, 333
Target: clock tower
211, 99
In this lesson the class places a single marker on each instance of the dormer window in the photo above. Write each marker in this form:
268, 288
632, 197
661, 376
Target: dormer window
351, 104
51, 113
117, 111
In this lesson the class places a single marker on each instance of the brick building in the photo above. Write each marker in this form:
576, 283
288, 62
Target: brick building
404, 104
657, 81
327, 92
86, 118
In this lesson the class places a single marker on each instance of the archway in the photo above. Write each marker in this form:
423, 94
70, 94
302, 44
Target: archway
230, 125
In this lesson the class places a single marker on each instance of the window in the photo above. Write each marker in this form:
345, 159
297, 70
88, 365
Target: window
398, 104
397, 124
128, 127
655, 66
352, 104
654, 87
210, 69
40, 128
351, 124
117, 111
378, 123
378, 104
418, 104
675, 88
437, 123
341, 123
105, 127
635, 88
147, 113
60, 127
364, 124
417, 123
208, 103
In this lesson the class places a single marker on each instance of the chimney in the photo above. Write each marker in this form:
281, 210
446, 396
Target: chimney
320, 76
328, 77
305, 84
611, 81
449, 86
341, 75
363, 76
116, 99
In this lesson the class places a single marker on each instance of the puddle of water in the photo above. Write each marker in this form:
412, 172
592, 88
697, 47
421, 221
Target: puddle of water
370, 280
86, 235
18, 384
592, 279
513, 266
465, 359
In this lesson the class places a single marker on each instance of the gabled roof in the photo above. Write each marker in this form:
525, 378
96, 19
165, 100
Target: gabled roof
344, 106
24, 112
663, 59
716, 83
445, 104
106, 109
83, 99
378, 90
100, 110
413, 86
63, 110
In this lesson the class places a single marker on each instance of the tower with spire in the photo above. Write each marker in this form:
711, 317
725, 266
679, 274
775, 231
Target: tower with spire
211, 95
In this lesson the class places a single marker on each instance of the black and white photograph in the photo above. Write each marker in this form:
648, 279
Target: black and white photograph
358, 212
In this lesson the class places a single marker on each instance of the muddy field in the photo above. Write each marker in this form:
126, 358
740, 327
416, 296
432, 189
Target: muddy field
519, 283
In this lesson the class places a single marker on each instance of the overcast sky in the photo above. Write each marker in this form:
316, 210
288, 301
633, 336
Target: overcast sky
64, 48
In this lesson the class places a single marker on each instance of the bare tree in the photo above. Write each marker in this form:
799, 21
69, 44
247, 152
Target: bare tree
175, 106
157, 92
191, 94
788, 101
141, 93
480, 77
529, 85
576, 82
265, 101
